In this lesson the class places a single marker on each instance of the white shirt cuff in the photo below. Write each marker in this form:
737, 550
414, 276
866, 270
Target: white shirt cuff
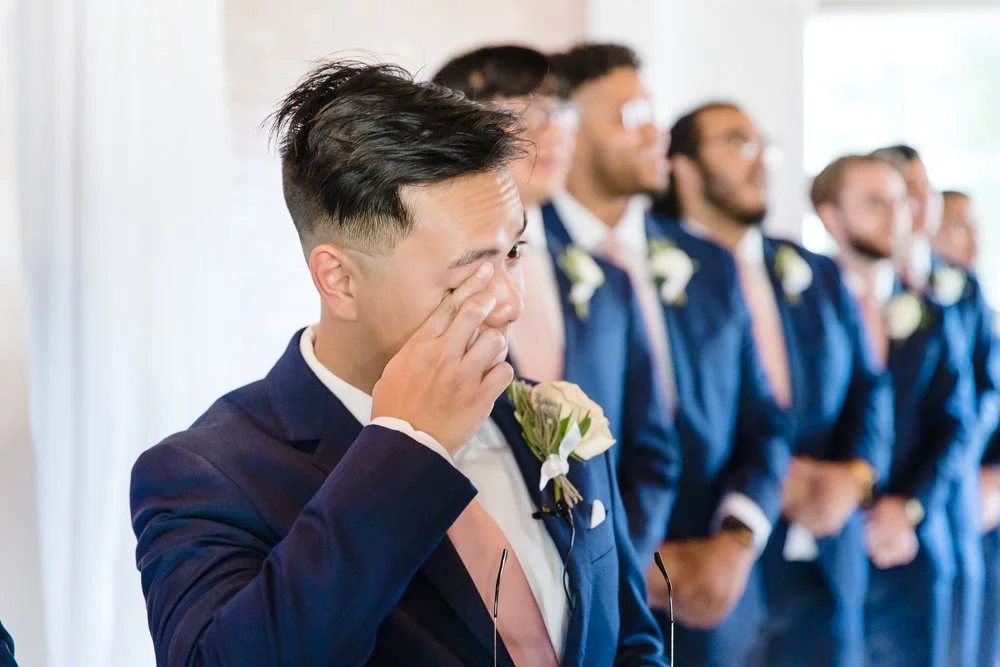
406, 428
746, 510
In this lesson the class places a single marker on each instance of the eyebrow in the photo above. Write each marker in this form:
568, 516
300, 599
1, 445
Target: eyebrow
477, 254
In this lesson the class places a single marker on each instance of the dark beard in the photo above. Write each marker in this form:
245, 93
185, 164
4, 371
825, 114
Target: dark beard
719, 195
867, 250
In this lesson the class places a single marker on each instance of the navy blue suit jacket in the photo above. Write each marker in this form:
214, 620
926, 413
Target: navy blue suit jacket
733, 435
934, 422
608, 355
6, 649
978, 322
278, 531
842, 402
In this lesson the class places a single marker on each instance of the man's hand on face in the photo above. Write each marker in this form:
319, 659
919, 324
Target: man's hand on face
891, 539
709, 577
446, 377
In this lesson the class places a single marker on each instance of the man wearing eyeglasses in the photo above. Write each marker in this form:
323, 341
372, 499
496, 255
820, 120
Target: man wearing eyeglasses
733, 436
809, 333
862, 202
956, 286
373, 500
554, 339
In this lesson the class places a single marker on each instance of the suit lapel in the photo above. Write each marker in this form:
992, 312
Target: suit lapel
579, 561
792, 323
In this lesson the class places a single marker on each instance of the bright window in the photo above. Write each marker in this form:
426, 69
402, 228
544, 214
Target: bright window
930, 79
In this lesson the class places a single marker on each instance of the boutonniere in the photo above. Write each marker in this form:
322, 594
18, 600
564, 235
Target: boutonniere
672, 270
559, 421
794, 273
585, 276
948, 285
904, 314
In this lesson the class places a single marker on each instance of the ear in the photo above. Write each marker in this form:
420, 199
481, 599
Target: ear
686, 173
336, 279
829, 215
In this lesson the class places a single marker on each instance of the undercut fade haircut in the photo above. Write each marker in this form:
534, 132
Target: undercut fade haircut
588, 62
829, 183
351, 135
494, 72
685, 139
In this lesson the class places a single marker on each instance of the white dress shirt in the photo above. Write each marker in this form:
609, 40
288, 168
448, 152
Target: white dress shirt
487, 460
589, 232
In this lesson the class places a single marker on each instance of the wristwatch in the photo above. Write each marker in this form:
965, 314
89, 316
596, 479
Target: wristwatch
862, 471
738, 529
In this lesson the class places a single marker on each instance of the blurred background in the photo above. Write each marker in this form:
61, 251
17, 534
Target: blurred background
147, 263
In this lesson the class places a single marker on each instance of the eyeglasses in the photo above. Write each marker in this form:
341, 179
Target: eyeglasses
539, 112
636, 113
749, 148
670, 600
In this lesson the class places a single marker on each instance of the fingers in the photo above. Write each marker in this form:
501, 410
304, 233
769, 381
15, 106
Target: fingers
467, 323
497, 380
489, 349
451, 305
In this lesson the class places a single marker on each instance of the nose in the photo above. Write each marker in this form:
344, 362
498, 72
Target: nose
507, 287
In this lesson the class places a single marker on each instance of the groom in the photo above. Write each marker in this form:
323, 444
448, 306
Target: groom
353, 506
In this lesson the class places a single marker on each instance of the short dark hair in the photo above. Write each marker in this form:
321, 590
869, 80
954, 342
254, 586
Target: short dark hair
499, 71
685, 139
588, 62
352, 134
898, 155
829, 183
955, 194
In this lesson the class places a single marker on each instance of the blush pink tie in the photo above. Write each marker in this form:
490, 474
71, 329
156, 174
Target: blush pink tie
767, 332
874, 319
480, 544
537, 350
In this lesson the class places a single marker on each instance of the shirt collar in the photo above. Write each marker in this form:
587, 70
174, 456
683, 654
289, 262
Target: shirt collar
589, 232
750, 249
357, 402
877, 279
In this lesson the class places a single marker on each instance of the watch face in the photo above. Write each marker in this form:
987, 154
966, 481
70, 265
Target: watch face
914, 511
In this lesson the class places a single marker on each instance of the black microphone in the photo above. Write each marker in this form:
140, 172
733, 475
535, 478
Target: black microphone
670, 601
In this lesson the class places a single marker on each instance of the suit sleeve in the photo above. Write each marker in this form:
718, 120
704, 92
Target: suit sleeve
948, 406
650, 465
218, 594
986, 370
639, 640
761, 451
866, 424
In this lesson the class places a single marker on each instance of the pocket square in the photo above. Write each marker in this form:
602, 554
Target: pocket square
597, 514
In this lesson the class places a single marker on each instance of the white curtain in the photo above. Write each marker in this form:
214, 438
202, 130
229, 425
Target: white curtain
122, 167
20, 585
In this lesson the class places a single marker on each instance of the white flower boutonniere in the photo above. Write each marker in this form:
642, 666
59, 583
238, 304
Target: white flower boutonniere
903, 315
558, 421
672, 269
949, 285
794, 272
584, 274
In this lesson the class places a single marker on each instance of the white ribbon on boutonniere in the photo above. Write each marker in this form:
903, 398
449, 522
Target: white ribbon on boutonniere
904, 314
949, 285
558, 421
672, 269
794, 273
585, 276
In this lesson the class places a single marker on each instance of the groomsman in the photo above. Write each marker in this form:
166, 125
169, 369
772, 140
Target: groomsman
957, 239
374, 500
733, 435
604, 347
862, 201
822, 370
957, 286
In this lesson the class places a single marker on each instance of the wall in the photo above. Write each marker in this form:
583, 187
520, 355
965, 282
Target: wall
747, 52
